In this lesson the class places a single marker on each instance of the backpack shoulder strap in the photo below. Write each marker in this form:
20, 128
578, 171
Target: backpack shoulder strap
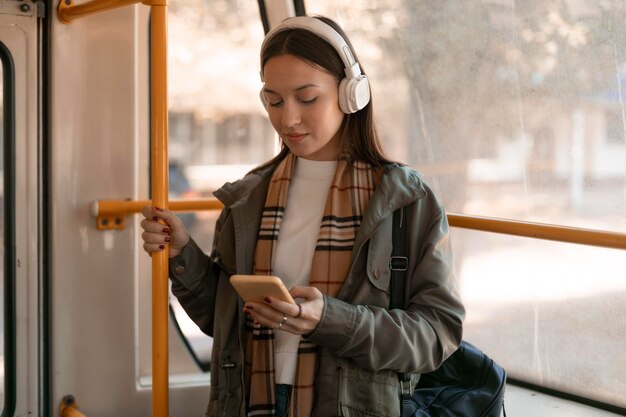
487, 380
399, 262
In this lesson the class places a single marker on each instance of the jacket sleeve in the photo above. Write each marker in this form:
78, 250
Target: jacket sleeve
194, 278
415, 340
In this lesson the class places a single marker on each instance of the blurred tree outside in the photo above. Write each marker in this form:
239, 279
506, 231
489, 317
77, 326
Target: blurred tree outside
471, 83
452, 81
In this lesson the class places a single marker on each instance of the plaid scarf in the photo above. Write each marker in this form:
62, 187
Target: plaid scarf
348, 195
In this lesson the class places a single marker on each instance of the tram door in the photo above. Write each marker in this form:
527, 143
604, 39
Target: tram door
20, 201
100, 280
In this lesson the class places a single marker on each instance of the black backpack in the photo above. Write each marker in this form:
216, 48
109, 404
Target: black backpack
467, 384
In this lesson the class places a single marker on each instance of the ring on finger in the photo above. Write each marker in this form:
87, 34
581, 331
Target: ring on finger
280, 324
299, 311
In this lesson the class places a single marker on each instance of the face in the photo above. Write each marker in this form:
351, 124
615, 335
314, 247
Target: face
303, 107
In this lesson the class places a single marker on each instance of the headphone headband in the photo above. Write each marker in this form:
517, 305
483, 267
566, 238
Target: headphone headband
354, 93
322, 30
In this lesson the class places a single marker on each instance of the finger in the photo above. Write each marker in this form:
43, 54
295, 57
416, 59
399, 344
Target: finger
298, 314
258, 319
291, 309
308, 293
166, 215
264, 314
263, 310
153, 247
147, 212
156, 238
153, 226
282, 306
152, 221
156, 213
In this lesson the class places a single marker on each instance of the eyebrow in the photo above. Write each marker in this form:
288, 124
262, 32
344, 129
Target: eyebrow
302, 87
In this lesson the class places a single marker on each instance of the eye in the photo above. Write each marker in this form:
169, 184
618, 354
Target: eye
311, 101
275, 103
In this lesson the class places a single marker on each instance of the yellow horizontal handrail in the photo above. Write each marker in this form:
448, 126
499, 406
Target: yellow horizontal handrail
69, 408
540, 231
124, 207
487, 224
67, 11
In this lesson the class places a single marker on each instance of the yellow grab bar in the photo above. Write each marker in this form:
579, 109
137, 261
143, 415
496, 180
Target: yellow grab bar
160, 302
117, 209
111, 214
124, 207
67, 11
540, 231
69, 408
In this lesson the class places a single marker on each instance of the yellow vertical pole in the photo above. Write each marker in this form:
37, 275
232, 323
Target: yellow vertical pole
158, 48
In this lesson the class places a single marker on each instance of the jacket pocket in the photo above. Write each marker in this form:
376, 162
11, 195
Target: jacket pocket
226, 386
348, 411
367, 393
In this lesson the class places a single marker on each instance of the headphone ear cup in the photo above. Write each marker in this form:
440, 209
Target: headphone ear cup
343, 92
360, 92
263, 100
354, 94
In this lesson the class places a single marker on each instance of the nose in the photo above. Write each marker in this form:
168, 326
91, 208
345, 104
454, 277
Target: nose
291, 114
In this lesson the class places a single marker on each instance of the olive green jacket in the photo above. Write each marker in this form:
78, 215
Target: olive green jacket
363, 345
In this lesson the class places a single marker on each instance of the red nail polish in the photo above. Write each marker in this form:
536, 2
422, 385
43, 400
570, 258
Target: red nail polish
166, 230
267, 300
155, 218
168, 239
158, 209
161, 246
247, 312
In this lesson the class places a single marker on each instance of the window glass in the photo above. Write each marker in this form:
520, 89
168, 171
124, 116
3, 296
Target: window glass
515, 109
551, 313
218, 129
509, 109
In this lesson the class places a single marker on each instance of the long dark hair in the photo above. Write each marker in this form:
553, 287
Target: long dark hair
358, 139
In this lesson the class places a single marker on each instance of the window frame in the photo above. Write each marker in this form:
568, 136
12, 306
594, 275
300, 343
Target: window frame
8, 81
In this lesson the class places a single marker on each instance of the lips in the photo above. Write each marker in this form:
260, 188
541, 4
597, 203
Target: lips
295, 137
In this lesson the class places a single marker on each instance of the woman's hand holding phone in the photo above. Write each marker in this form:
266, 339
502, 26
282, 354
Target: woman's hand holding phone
272, 308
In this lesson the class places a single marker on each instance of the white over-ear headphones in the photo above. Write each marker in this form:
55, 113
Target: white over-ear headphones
354, 89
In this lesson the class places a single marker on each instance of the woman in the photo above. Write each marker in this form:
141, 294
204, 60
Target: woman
318, 216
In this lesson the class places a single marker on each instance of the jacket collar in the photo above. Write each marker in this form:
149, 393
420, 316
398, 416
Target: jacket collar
236, 193
399, 186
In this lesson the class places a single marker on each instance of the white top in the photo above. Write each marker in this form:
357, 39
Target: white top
293, 254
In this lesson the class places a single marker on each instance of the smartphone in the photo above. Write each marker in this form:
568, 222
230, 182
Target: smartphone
257, 287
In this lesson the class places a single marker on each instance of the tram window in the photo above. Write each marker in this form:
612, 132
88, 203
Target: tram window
514, 110
510, 110
218, 129
552, 312
217, 125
